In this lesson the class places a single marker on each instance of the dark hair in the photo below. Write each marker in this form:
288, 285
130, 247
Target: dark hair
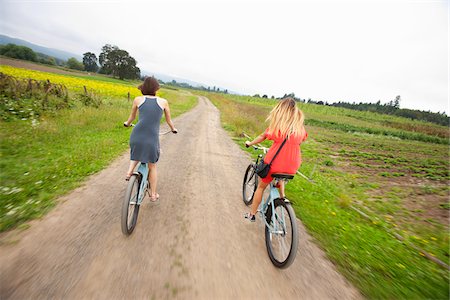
149, 86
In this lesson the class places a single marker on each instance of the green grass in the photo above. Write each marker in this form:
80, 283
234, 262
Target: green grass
40, 163
404, 135
361, 121
371, 172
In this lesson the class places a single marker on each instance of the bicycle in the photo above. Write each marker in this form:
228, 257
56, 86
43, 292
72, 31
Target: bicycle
138, 186
281, 233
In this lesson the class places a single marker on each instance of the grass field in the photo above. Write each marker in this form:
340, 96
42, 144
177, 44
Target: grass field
394, 170
44, 160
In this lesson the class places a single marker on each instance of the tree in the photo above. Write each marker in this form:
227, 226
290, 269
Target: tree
19, 52
73, 63
397, 102
48, 60
103, 58
118, 63
90, 62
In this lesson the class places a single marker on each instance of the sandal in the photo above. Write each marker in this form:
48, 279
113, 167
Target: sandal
127, 178
250, 217
154, 198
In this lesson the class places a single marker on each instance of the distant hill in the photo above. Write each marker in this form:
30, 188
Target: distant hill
168, 78
44, 50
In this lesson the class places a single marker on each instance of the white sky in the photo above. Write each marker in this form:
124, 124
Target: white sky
325, 50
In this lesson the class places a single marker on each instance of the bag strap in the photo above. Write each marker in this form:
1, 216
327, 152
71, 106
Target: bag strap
279, 149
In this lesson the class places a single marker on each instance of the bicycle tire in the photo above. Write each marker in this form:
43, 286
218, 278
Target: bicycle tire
250, 175
289, 259
132, 189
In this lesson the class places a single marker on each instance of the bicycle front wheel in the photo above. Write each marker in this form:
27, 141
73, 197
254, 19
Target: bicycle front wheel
282, 234
249, 185
130, 206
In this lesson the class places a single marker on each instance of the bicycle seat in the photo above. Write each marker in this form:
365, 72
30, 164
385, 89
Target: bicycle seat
282, 176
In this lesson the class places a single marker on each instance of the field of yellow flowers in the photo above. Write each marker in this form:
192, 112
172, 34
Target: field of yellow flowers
76, 84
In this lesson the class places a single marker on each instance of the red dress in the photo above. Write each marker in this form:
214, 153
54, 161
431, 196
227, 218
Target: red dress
289, 159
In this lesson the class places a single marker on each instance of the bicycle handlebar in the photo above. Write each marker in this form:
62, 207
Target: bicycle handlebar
264, 149
164, 133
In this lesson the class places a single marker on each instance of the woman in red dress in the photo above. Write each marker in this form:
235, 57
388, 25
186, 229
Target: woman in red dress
285, 120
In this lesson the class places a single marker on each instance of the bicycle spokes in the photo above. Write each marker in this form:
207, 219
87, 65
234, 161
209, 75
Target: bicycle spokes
249, 184
281, 234
130, 206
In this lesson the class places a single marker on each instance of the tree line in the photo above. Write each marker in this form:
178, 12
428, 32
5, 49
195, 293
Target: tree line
25, 53
185, 85
111, 61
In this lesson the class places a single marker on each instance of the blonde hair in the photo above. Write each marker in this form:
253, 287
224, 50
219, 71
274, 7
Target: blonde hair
286, 119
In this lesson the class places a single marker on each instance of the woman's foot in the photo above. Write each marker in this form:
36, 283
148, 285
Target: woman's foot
154, 198
250, 217
128, 176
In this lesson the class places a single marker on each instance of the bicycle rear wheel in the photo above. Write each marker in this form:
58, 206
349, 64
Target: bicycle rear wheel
249, 185
130, 207
282, 235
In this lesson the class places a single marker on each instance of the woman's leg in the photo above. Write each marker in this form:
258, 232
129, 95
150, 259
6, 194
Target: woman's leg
258, 196
133, 164
281, 189
152, 178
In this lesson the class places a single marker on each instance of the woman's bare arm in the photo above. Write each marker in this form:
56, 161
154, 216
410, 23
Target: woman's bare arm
133, 112
257, 140
168, 118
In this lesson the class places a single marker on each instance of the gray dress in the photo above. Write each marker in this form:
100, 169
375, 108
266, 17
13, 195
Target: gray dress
144, 140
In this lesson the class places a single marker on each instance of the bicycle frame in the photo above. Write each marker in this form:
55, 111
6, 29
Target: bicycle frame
264, 206
143, 171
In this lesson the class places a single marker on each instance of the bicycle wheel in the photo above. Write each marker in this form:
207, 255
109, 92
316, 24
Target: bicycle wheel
281, 237
130, 208
249, 185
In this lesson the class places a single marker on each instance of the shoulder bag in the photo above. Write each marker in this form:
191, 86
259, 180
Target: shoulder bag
262, 169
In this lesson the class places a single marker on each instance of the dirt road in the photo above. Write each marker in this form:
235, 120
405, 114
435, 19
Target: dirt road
192, 244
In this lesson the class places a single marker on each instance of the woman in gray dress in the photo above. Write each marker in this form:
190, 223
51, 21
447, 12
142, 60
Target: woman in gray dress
144, 139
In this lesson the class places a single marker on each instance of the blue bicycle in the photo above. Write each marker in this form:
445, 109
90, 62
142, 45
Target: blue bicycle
138, 186
277, 213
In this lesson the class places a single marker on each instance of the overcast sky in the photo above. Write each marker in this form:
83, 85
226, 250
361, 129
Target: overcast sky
324, 50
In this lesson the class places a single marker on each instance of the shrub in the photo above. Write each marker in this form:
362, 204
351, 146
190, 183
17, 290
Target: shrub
28, 98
